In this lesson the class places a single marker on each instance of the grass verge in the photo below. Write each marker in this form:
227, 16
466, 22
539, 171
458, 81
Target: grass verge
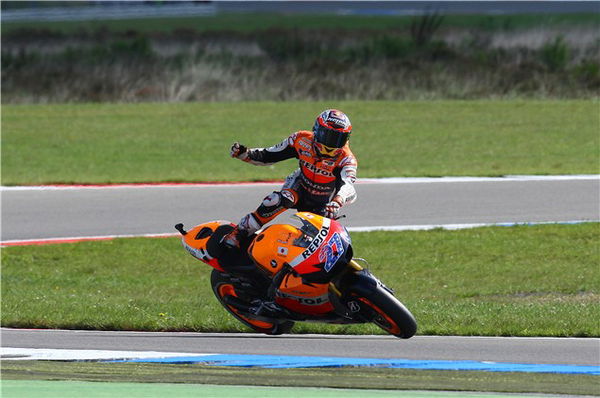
111, 143
257, 22
507, 281
358, 378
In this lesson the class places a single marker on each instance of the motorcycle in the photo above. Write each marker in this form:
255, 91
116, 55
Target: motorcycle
298, 272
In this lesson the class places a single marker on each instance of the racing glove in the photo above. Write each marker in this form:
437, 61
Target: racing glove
332, 209
239, 151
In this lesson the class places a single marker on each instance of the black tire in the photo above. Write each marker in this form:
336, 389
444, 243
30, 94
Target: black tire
222, 286
390, 314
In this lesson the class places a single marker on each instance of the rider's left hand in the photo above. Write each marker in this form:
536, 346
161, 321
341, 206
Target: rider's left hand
238, 151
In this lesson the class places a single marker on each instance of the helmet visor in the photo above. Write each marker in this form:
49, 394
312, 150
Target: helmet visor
331, 138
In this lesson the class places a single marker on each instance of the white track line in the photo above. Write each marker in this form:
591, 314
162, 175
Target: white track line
82, 355
508, 178
392, 180
450, 227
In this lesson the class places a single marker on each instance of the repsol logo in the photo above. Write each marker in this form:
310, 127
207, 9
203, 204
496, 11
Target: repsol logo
316, 242
303, 300
316, 170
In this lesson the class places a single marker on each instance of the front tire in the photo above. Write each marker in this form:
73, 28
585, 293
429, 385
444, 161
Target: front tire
222, 286
390, 314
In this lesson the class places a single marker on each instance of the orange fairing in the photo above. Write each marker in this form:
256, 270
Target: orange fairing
279, 244
274, 247
312, 298
312, 248
313, 219
196, 241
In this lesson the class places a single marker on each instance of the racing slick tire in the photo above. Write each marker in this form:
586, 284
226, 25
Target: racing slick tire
390, 314
223, 286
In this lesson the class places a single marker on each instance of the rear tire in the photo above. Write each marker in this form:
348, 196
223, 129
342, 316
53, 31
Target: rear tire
223, 286
390, 314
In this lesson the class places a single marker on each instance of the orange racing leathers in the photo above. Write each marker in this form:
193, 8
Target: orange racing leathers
318, 181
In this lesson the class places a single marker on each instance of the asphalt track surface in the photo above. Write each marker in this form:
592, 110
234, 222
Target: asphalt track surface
79, 212
54, 213
568, 351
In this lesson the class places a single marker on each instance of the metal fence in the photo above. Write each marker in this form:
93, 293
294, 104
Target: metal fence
108, 11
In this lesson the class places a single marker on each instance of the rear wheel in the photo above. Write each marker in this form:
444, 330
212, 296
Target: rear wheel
390, 314
222, 286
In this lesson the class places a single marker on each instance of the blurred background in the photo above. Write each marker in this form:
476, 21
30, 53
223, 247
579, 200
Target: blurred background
96, 51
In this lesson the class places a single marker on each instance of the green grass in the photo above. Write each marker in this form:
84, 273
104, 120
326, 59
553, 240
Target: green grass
370, 378
110, 143
517, 281
254, 22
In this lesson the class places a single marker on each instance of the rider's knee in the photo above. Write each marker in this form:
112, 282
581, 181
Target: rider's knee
272, 200
286, 198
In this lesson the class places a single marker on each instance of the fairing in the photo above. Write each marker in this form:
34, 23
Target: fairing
313, 249
196, 242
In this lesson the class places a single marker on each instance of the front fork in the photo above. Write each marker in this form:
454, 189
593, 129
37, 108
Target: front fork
341, 289
352, 284
352, 266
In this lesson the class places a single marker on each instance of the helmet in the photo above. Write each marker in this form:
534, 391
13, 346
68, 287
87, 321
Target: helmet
332, 130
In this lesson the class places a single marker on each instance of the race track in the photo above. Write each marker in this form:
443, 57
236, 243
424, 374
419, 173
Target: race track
34, 213
569, 351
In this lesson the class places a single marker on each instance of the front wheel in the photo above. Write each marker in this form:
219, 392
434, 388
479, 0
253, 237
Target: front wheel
222, 286
390, 314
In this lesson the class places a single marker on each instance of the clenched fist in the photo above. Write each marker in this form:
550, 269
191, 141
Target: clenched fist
238, 150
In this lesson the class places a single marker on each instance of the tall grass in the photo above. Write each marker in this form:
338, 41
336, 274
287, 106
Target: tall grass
422, 61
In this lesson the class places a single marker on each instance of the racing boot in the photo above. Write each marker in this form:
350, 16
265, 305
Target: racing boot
271, 206
268, 309
246, 227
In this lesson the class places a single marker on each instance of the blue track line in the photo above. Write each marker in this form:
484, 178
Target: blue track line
277, 361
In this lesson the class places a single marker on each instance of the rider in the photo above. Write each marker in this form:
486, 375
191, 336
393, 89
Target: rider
323, 183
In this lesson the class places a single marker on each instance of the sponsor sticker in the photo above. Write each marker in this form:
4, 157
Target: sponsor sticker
304, 300
304, 143
288, 195
315, 169
200, 254
314, 245
331, 252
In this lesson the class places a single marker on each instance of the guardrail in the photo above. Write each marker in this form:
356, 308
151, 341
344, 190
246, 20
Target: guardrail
108, 12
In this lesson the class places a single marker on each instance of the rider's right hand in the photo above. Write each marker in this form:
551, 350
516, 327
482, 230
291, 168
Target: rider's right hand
237, 150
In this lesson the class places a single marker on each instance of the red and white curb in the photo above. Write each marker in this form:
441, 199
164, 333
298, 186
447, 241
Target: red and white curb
54, 241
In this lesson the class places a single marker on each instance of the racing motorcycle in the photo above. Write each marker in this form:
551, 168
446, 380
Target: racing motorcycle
297, 272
